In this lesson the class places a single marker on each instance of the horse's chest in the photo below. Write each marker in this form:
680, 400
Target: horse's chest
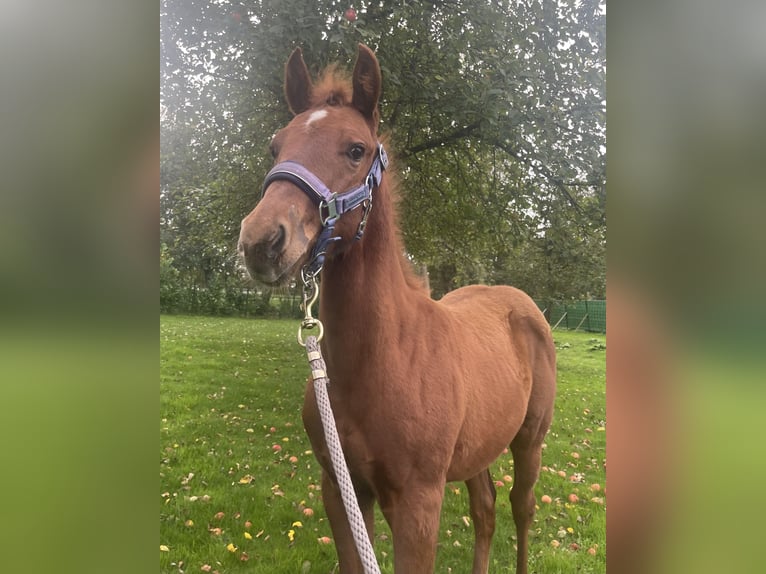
355, 438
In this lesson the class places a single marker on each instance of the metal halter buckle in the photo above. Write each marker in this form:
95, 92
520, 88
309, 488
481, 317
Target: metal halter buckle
383, 156
366, 208
332, 209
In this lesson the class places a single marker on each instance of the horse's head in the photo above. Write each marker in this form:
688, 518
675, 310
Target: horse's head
331, 142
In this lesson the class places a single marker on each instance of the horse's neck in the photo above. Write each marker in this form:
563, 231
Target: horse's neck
366, 296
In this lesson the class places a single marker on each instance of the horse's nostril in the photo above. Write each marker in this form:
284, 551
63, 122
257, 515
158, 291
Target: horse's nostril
278, 243
262, 252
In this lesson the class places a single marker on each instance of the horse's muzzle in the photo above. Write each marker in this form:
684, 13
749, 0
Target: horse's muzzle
263, 255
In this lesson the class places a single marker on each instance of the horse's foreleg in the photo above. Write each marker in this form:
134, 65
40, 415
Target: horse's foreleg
481, 492
348, 557
413, 516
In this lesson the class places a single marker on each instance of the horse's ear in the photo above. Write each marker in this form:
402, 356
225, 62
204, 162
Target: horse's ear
297, 83
367, 81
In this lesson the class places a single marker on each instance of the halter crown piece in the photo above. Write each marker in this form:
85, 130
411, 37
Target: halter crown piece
331, 205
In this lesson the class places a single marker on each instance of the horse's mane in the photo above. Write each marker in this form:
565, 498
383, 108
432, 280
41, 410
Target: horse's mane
333, 88
392, 182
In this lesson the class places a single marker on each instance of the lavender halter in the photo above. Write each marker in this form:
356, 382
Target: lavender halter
331, 205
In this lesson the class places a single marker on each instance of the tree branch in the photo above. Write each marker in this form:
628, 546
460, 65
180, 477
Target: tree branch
445, 139
542, 171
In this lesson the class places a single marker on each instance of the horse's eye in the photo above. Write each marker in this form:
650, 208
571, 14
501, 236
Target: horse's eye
356, 152
274, 151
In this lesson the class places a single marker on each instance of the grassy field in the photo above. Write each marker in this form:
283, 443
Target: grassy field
239, 486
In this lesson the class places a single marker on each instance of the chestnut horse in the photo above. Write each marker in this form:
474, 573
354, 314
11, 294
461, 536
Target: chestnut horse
424, 391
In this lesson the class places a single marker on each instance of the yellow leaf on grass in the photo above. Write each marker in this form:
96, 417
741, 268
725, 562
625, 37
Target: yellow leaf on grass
297, 524
230, 547
248, 536
164, 548
291, 535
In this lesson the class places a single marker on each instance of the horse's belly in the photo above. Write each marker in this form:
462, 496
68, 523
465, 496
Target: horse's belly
488, 430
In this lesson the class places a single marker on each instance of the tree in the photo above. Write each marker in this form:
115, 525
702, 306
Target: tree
496, 111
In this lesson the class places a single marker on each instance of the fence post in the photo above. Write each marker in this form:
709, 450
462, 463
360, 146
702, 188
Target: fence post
581, 322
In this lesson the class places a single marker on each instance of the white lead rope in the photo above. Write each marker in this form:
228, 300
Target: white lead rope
347, 493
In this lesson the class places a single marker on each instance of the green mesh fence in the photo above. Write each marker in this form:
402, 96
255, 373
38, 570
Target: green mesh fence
583, 315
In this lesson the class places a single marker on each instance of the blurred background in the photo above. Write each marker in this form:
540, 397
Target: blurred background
686, 281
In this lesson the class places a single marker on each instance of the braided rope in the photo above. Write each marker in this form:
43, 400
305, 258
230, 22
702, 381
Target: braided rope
347, 493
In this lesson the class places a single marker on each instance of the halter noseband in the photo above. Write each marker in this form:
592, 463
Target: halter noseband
331, 205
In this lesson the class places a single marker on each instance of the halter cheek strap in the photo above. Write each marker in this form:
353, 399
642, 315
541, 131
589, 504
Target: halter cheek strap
331, 205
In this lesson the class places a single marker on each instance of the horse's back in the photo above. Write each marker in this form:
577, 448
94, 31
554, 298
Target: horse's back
481, 303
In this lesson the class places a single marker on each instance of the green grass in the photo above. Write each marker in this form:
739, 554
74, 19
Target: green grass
231, 389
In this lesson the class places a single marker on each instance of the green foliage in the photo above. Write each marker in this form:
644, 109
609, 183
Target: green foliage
496, 112
170, 296
231, 389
